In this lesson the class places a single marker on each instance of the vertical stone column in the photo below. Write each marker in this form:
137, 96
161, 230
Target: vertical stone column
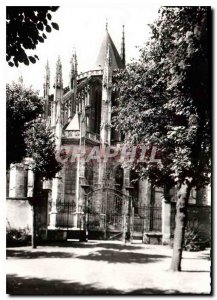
17, 181
12, 181
101, 196
30, 183
126, 203
87, 111
82, 184
166, 217
83, 190
56, 123
145, 200
81, 180
53, 212
144, 192
208, 194
77, 213
105, 132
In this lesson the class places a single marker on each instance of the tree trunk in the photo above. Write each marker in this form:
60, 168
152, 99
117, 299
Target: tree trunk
181, 218
124, 221
34, 211
34, 242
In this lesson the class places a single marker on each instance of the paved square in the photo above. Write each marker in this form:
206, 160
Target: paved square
104, 268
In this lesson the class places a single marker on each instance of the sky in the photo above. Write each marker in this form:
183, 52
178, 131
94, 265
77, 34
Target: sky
82, 28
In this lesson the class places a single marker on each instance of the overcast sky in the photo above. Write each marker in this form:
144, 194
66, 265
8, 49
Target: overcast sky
83, 27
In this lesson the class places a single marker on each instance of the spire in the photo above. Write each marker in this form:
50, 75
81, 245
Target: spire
123, 47
106, 25
73, 80
47, 75
57, 104
58, 79
105, 128
107, 71
46, 89
74, 64
116, 60
72, 71
20, 80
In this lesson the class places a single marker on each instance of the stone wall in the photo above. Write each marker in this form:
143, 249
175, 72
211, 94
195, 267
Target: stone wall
19, 214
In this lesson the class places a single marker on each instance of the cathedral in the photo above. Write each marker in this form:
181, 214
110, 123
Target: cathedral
98, 199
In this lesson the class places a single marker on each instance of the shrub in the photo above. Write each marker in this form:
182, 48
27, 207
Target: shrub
18, 236
193, 240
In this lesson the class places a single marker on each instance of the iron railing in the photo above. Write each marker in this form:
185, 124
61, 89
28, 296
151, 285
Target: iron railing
148, 218
65, 214
109, 217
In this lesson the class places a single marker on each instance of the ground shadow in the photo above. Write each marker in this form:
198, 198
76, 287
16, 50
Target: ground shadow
64, 244
25, 254
76, 244
195, 271
17, 285
111, 256
120, 246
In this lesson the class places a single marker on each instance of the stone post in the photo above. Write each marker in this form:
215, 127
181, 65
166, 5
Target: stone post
130, 213
84, 187
208, 194
166, 217
17, 180
125, 202
12, 181
30, 183
34, 223
82, 183
53, 212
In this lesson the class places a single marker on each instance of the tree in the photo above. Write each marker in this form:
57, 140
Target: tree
40, 146
25, 28
167, 93
27, 133
23, 105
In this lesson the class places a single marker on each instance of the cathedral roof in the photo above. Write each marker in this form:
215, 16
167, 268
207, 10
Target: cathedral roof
115, 57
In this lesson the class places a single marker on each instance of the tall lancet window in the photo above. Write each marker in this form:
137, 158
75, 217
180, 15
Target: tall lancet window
97, 110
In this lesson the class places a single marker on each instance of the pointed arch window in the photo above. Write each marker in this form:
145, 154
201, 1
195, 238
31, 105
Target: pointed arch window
97, 110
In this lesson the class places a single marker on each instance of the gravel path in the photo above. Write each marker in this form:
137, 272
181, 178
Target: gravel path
104, 268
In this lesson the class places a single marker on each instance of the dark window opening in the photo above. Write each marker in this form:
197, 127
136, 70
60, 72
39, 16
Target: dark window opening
97, 109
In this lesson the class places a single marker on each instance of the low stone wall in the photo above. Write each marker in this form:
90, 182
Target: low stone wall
18, 214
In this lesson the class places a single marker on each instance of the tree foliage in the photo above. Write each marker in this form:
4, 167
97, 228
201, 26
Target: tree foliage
40, 146
168, 96
167, 93
27, 133
25, 28
23, 106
